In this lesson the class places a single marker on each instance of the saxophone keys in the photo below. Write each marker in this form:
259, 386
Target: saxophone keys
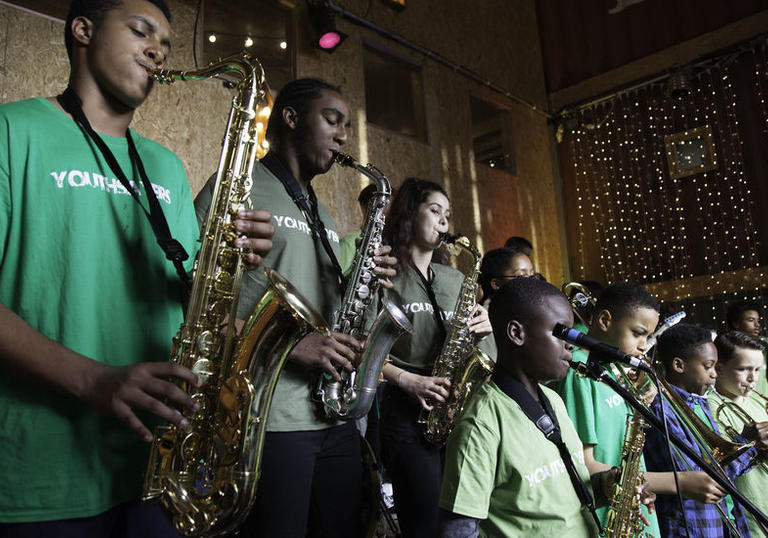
203, 369
363, 292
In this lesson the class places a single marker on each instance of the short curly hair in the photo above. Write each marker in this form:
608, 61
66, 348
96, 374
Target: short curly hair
95, 10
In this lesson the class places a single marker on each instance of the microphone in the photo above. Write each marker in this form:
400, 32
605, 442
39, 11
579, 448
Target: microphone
599, 351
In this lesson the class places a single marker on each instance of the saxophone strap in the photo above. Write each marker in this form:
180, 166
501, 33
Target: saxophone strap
310, 210
542, 415
173, 250
436, 310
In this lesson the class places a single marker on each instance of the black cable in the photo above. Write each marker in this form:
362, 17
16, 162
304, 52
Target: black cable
194, 33
669, 451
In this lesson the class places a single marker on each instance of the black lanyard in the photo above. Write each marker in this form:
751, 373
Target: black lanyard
174, 251
542, 415
436, 311
281, 172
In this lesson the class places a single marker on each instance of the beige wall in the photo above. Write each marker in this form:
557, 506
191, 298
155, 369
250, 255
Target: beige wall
497, 39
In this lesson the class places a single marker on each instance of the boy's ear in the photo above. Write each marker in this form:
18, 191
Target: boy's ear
290, 117
82, 30
603, 320
515, 332
495, 284
678, 365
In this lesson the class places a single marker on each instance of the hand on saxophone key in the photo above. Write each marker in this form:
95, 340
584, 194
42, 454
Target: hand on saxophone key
327, 353
258, 229
648, 498
479, 323
118, 390
424, 388
385, 266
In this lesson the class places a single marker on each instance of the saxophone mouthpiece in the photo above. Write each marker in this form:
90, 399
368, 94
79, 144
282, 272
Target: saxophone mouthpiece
343, 159
448, 237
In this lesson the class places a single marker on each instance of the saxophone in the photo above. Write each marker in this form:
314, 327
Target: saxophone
205, 475
624, 514
351, 398
459, 360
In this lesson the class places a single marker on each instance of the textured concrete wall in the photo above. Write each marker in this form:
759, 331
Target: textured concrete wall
497, 39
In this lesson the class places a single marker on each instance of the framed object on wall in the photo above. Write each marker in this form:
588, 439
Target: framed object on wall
690, 152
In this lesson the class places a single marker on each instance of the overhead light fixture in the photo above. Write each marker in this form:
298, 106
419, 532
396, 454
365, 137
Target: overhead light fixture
283, 45
248, 42
680, 83
212, 38
327, 37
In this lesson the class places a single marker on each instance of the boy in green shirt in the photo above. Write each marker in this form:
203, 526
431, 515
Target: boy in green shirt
739, 363
503, 477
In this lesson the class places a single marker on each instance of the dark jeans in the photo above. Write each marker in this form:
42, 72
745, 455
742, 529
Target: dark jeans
132, 519
310, 485
415, 466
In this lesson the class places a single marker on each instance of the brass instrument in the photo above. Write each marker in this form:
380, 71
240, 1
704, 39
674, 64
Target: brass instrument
459, 360
352, 397
762, 398
724, 404
581, 300
624, 518
205, 475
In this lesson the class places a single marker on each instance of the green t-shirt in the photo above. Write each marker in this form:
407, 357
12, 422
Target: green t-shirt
501, 469
347, 249
600, 418
302, 260
79, 263
754, 483
420, 349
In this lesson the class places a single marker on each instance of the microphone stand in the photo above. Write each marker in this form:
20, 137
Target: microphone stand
595, 371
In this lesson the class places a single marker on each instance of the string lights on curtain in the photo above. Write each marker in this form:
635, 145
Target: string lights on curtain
672, 227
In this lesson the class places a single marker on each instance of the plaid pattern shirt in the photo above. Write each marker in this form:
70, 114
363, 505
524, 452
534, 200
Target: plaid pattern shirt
704, 520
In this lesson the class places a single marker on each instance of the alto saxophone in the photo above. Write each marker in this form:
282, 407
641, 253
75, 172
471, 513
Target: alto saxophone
205, 475
351, 398
459, 360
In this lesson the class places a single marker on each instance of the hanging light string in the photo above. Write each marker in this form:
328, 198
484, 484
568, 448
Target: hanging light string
636, 208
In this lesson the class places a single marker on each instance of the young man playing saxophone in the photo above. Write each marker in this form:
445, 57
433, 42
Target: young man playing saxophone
311, 469
88, 296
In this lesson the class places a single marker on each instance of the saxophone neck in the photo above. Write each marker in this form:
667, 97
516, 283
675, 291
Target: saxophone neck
369, 170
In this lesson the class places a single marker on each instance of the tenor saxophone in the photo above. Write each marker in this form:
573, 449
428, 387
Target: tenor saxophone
460, 360
205, 475
351, 398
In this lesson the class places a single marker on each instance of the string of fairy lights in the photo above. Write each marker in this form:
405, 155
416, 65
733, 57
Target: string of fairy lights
654, 226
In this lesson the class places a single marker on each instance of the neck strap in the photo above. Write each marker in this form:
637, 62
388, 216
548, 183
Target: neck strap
173, 250
308, 205
541, 414
436, 311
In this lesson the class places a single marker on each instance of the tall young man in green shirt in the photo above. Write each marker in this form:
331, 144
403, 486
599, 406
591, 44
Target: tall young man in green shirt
88, 299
